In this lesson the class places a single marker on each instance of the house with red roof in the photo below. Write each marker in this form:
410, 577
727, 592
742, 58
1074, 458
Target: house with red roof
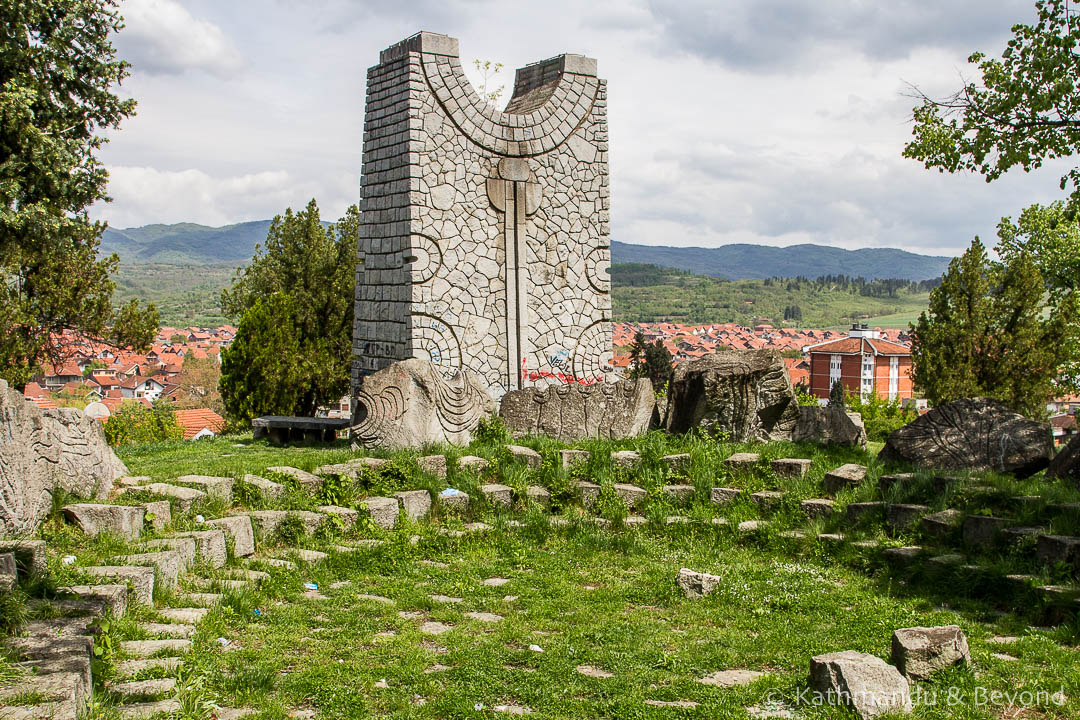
200, 423
864, 363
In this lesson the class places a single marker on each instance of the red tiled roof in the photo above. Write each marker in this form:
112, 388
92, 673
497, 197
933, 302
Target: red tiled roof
195, 421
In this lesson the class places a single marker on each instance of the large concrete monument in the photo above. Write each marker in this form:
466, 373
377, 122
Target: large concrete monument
484, 238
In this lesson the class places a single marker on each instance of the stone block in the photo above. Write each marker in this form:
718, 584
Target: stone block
569, 458
267, 488
903, 556
940, 525
141, 579
453, 499
829, 426
845, 476
679, 463
791, 467
210, 546
981, 531
724, 496
625, 459
767, 500
887, 482
383, 511
818, 508
538, 495
590, 492
904, 517
696, 584
632, 495
184, 497
168, 564
239, 530
308, 482
125, 521
610, 411
186, 546
869, 685
348, 516
473, 463
218, 487
919, 652
742, 460
415, 503
528, 455
158, 513
29, 554
680, 494
434, 465
864, 511
1053, 549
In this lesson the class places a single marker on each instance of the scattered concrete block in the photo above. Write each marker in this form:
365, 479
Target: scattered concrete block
147, 648
903, 556
767, 500
696, 584
383, 511
141, 579
267, 488
415, 503
349, 517
209, 546
528, 455
867, 683
791, 467
29, 554
742, 461
185, 497
632, 495
590, 492
940, 525
167, 563
725, 496
887, 482
308, 482
904, 517
625, 459
680, 494
677, 463
219, 487
453, 499
845, 476
863, 511
471, 462
93, 519
434, 465
498, 495
919, 652
539, 495
1054, 549
113, 597
239, 530
158, 513
818, 508
186, 546
981, 531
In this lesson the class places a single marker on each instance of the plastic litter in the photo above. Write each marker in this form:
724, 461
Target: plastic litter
478, 707
256, 611
200, 519
450, 492
536, 648
223, 642
68, 560
311, 586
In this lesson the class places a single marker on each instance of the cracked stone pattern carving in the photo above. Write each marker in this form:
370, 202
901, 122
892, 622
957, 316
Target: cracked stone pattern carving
484, 243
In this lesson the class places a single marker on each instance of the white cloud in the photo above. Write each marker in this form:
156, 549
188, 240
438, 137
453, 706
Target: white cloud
162, 37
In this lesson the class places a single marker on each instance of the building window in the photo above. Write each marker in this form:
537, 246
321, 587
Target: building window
834, 369
894, 378
867, 374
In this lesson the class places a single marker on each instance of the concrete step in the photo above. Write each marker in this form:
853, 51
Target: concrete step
149, 648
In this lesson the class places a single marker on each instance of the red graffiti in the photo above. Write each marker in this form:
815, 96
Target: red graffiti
534, 375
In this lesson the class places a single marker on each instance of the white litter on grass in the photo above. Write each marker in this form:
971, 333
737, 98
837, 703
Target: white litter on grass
68, 560
536, 648
200, 519
223, 642
311, 586
450, 492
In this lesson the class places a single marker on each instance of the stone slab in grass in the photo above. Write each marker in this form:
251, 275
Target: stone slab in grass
415, 503
308, 482
864, 511
183, 615
569, 458
1053, 549
594, 672
209, 545
127, 668
845, 476
383, 511
539, 495
94, 519
139, 711
141, 579
635, 521
696, 584
435, 628
767, 500
238, 529
148, 648
791, 467
889, 481
484, 617
680, 494
142, 688
495, 582
168, 564
625, 459
375, 598
29, 554
267, 488
529, 456
679, 704
751, 526
815, 508
632, 495
724, 496
900, 516
473, 463
903, 556
498, 495
867, 683
982, 531
742, 460
940, 525
453, 499
114, 597
128, 480
175, 630
158, 514
201, 599
219, 487
731, 678
590, 492
920, 652
184, 497
434, 465
679, 462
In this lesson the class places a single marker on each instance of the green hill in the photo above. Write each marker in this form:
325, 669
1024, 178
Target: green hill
744, 262
186, 243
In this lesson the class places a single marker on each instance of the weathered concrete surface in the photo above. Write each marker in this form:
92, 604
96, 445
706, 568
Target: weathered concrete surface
41, 450
571, 412
829, 426
867, 683
696, 584
1066, 464
411, 403
239, 530
919, 652
93, 519
745, 394
976, 434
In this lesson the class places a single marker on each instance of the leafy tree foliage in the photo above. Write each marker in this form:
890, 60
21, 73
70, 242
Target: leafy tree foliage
261, 371
198, 381
1025, 109
57, 71
881, 417
650, 360
312, 266
991, 331
1052, 238
134, 424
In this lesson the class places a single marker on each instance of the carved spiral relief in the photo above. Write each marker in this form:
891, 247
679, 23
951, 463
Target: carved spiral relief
435, 340
424, 258
374, 413
597, 268
459, 405
593, 356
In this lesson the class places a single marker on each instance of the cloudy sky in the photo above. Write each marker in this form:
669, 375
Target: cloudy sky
765, 121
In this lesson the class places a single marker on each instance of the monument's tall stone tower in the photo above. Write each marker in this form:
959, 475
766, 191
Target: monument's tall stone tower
484, 238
